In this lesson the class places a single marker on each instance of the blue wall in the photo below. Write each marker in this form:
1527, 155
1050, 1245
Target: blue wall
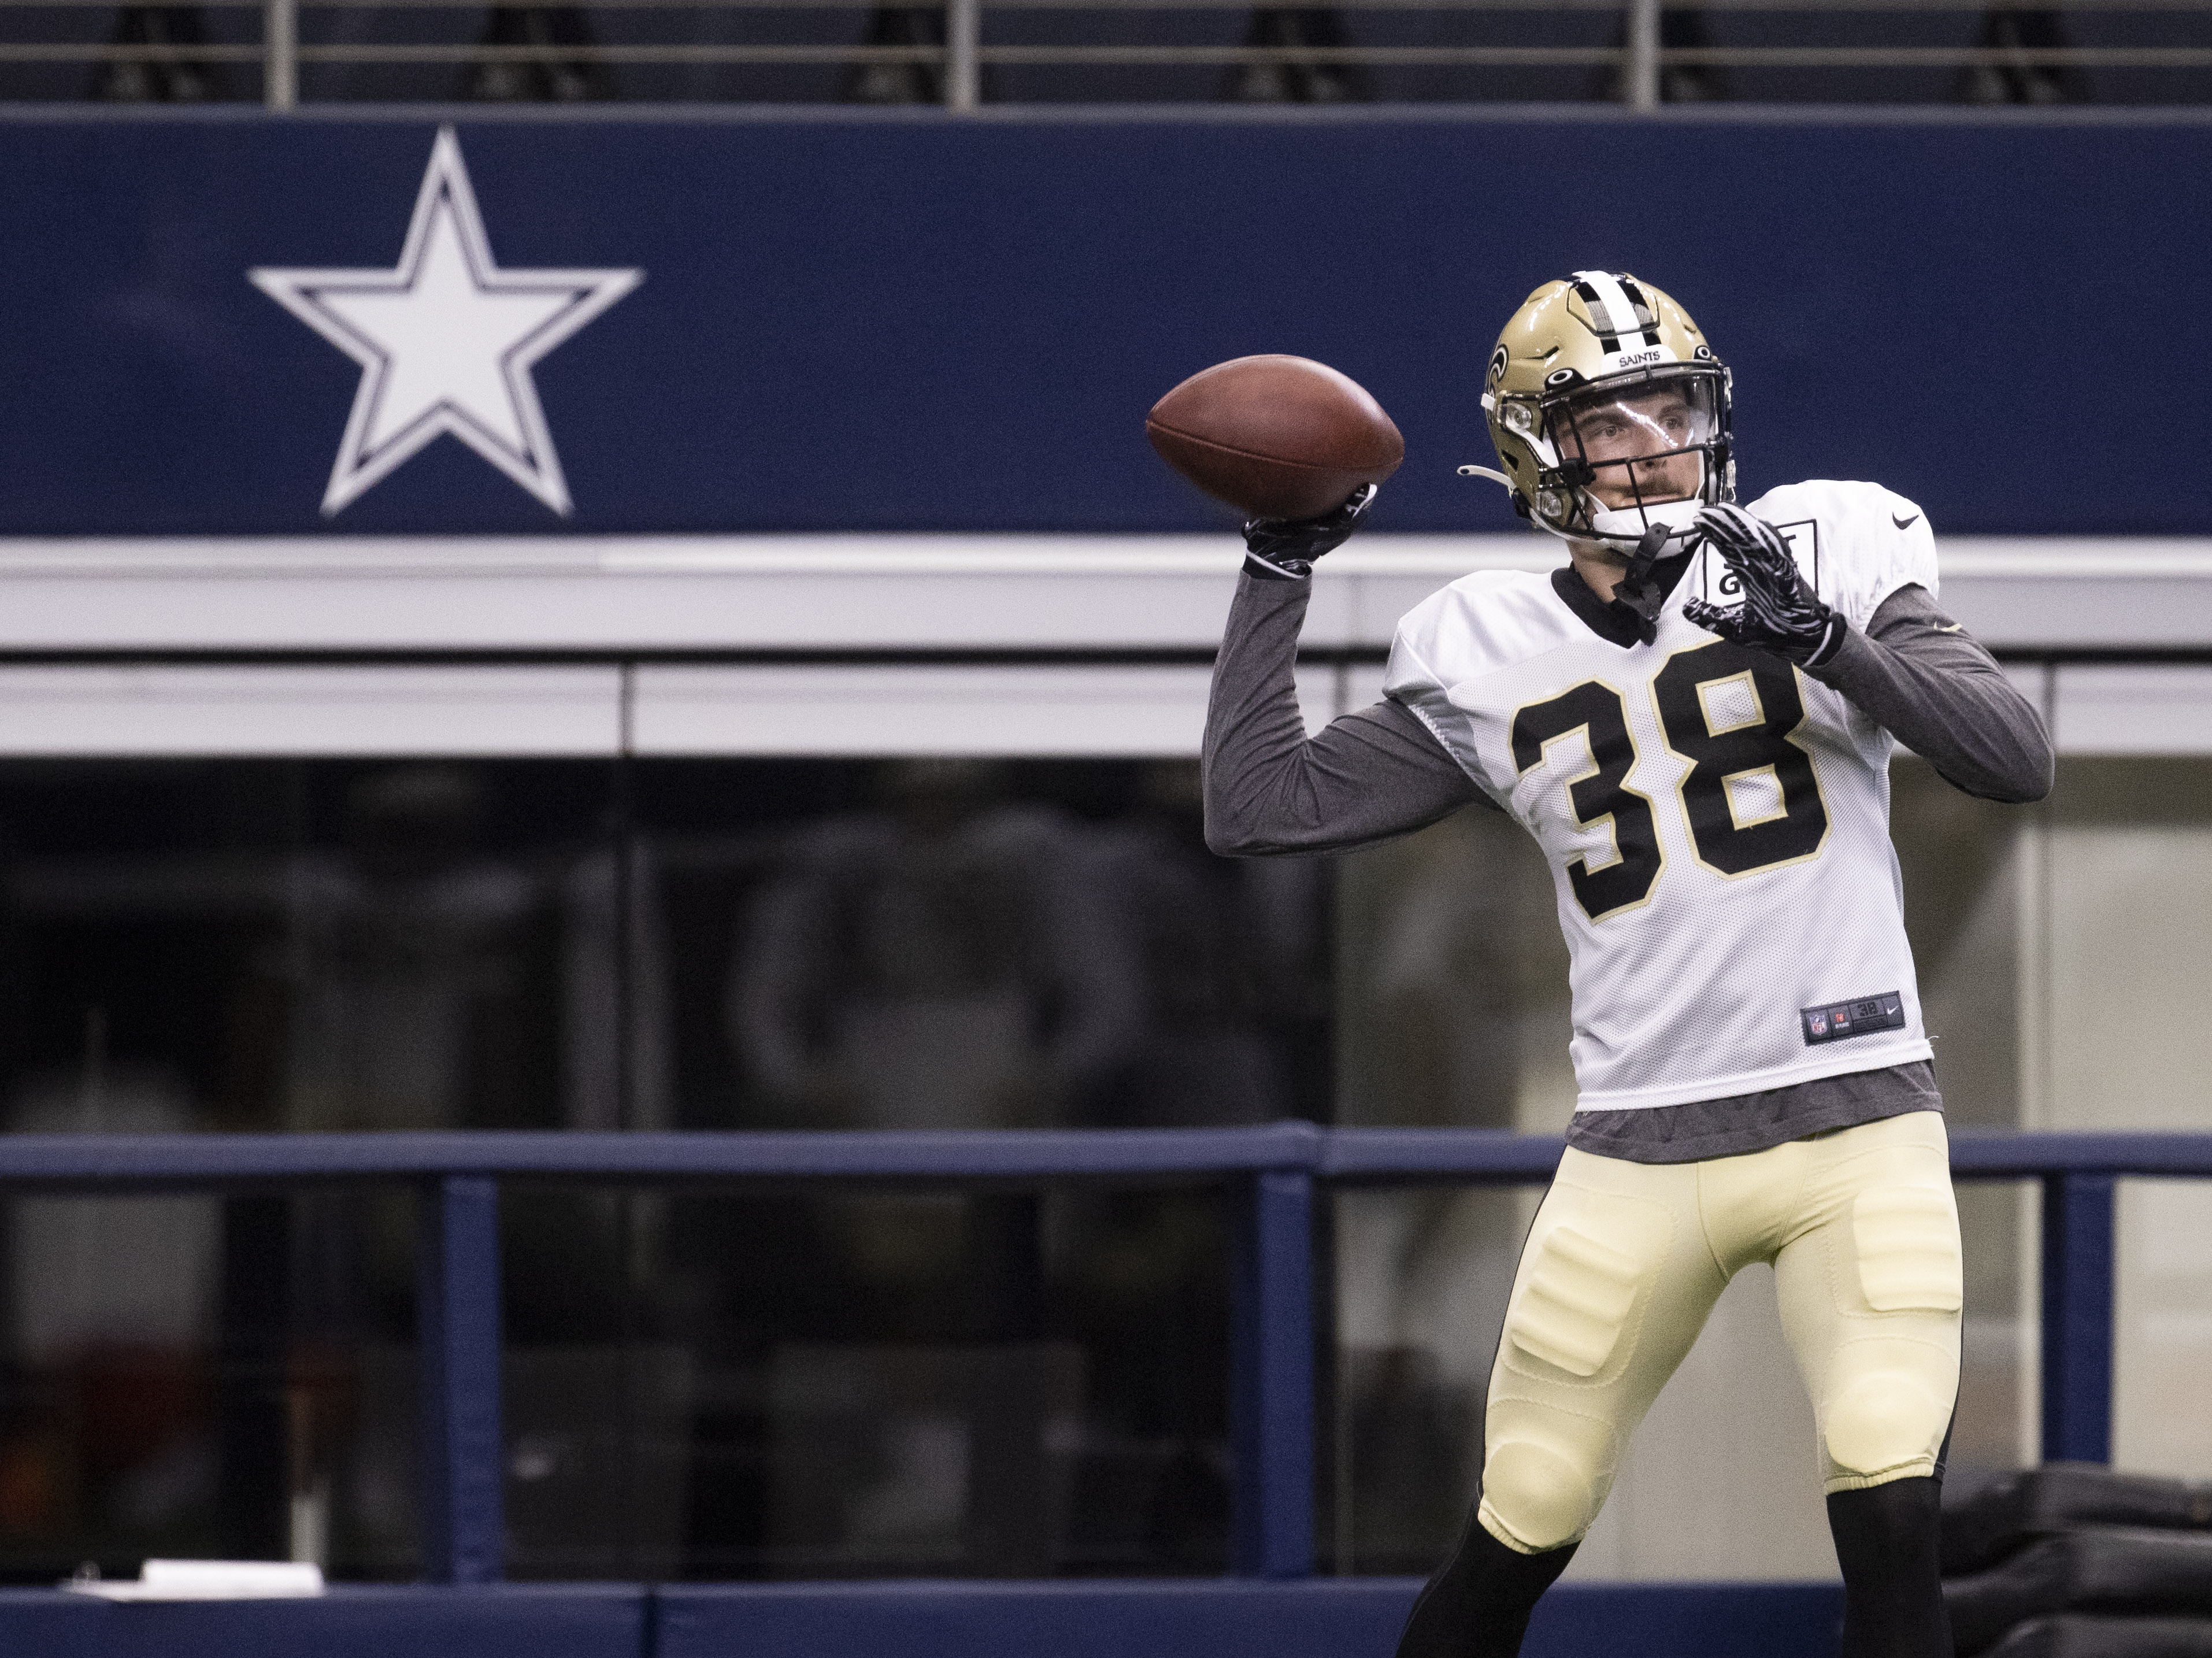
929, 323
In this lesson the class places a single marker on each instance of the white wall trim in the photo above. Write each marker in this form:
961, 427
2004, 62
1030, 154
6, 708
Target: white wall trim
1122, 711
222, 712
1118, 712
2124, 708
903, 593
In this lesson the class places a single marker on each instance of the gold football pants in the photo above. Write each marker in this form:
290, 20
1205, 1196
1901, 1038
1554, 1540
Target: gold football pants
1625, 1260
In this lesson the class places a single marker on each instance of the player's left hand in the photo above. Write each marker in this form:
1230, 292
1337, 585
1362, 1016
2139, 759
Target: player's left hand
1780, 612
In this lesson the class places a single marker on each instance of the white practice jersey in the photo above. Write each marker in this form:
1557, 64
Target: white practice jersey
1716, 820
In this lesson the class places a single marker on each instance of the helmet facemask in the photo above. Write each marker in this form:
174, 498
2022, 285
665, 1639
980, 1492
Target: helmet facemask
1618, 456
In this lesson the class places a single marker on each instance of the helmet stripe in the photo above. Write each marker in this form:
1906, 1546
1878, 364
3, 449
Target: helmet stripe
1613, 309
1609, 333
1645, 311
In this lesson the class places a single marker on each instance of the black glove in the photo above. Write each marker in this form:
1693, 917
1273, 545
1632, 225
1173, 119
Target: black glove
1780, 613
1285, 548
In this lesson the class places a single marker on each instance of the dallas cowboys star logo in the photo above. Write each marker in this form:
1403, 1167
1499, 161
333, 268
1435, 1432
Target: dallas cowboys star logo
446, 341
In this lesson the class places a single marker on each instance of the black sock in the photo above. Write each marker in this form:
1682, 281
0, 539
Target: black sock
1478, 1605
1887, 1539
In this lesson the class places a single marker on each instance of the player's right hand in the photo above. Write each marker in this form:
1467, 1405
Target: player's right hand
1281, 547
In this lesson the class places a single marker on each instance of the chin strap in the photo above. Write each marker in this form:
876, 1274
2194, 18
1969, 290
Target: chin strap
1638, 591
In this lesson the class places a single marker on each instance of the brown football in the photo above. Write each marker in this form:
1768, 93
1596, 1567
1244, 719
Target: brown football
1275, 436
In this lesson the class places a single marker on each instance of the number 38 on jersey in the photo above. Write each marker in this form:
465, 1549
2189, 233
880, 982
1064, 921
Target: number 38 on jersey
1748, 795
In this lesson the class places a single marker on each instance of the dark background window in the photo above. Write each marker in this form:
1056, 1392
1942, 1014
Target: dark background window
733, 1383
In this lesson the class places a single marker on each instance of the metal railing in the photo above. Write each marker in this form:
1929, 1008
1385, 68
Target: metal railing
1279, 1171
1634, 66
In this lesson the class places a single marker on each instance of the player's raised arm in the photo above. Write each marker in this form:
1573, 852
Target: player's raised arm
1269, 787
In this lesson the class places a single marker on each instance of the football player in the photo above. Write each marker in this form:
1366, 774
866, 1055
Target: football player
1694, 716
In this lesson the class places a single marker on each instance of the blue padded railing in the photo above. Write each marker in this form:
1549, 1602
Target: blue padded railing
1278, 1169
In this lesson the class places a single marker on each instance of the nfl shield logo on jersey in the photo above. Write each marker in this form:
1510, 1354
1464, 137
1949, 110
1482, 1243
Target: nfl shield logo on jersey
1819, 1020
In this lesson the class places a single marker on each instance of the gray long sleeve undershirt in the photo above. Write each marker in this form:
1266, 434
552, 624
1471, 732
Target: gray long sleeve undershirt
1380, 772
1269, 787
1930, 684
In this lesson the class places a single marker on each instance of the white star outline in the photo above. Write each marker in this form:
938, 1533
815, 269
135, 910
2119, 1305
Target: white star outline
446, 340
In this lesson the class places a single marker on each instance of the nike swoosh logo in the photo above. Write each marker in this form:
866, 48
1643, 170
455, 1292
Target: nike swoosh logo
1905, 523
1955, 627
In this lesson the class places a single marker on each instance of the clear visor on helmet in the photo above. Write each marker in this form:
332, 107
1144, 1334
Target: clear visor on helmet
1640, 441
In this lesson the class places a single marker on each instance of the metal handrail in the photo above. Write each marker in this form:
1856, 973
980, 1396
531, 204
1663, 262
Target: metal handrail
1640, 59
1974, 7
456, 52
1719, 57
1341, 1157
45, 52
1962, 7
1278, 1169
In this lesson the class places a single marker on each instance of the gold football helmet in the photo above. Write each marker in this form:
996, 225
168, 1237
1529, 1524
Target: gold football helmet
1609, 411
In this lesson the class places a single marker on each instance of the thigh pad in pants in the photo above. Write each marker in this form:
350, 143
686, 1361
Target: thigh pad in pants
1598, 1320
1871, 1296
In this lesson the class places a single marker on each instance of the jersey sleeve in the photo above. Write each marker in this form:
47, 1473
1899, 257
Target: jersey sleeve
1412, 681
1899, 551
